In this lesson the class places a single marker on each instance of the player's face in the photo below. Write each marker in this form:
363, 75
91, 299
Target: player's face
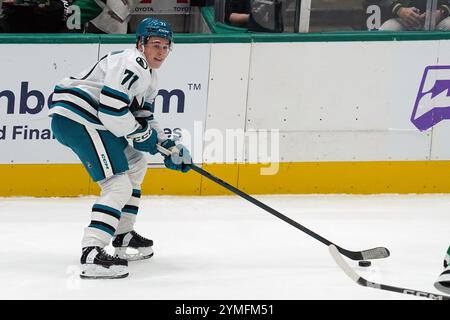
156, 51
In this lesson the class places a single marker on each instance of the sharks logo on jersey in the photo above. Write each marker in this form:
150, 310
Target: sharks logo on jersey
433, 99
142, 63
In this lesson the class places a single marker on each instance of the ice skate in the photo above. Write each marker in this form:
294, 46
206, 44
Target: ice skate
443, 281
131, 246
97, 264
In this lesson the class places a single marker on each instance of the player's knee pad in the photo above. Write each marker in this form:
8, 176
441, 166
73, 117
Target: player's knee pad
137, 166
116, 190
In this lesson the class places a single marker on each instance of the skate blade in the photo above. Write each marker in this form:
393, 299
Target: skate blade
443, 286
443, 281
104, 277
141, 254
92, 271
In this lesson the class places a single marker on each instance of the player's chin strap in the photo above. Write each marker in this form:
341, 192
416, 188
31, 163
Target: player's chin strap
142, 50
374, 253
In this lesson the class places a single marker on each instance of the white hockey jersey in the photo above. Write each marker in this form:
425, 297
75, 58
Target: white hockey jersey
111, 95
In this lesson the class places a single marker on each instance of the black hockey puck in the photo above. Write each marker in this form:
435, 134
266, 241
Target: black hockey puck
364, 263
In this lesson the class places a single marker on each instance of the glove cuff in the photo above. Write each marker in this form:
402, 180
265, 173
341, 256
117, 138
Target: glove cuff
142, 133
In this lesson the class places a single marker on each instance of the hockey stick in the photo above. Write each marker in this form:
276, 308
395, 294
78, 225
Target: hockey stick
361, 281
374, 253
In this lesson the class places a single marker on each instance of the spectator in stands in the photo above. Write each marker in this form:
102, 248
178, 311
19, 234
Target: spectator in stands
410, 15
56, 16
113, 18
34, 16
88, 10
237, 12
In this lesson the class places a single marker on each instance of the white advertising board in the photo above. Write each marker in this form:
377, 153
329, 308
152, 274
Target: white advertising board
227, 101
29, 74
25, 127
330, 101
341, 101
440, 149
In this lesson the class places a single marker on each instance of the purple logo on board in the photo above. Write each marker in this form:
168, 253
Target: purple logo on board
433, 99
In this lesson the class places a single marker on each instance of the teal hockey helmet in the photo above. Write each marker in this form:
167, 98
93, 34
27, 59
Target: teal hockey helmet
150, 27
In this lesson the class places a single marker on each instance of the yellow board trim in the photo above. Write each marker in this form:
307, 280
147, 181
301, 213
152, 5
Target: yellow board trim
52, 180
349, 178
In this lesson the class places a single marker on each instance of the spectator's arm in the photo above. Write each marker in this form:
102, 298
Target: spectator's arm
121, 8
237, 12
239, 19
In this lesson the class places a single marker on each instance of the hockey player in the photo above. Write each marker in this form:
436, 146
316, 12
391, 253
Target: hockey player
443, 281
94, 114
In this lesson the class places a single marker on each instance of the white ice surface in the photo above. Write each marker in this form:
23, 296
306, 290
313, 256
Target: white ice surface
227, 248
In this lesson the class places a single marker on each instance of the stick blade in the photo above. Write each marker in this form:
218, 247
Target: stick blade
370, 254
375, 253
342, 264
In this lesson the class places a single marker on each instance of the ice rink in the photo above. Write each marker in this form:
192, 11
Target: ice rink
227, 248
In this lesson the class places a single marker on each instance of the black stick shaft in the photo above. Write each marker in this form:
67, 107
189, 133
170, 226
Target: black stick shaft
375, 253
260, 204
